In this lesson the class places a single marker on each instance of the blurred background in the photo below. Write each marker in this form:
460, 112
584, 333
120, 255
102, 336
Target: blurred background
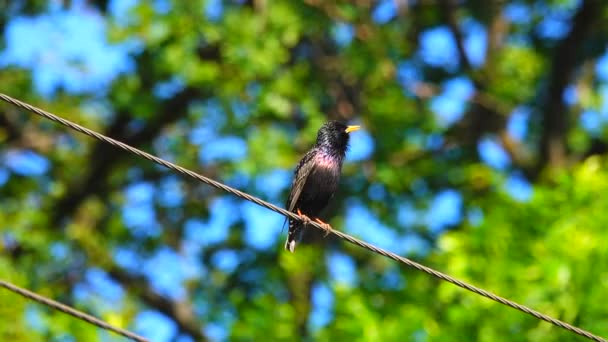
482, 155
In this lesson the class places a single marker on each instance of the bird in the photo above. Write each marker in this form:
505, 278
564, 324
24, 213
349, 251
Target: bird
316, 178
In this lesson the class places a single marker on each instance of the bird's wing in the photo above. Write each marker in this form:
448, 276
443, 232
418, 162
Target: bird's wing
303, 169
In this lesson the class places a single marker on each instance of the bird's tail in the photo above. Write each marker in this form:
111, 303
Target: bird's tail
294, 234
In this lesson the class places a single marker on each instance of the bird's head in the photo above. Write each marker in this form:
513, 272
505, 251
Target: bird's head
334, 135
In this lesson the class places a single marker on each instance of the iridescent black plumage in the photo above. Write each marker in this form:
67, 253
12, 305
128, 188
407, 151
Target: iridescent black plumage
317, 176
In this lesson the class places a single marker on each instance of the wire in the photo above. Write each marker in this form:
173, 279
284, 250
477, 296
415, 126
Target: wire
294, 216
70, 311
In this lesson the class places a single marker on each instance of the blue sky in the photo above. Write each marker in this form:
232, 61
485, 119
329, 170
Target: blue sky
71, 52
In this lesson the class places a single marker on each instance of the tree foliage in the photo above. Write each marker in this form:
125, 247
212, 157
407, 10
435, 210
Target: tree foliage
493, 110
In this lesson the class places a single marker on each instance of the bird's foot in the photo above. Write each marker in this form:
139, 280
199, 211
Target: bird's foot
305, 219
325, 226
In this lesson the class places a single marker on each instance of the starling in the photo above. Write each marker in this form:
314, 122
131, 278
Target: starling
316, 177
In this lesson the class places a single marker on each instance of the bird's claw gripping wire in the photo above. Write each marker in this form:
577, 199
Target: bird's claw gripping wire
325, 226
306, 221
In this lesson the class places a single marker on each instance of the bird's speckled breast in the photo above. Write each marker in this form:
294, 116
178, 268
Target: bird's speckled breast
328, 161
321, 184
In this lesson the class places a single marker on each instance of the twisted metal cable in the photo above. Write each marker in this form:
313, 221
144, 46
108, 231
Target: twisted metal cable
70, 311
294, 216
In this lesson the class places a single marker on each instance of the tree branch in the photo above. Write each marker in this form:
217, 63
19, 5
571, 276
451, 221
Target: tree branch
448, 8
555, 120
103, 158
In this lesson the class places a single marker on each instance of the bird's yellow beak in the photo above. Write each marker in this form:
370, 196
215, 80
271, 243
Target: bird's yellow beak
352, 128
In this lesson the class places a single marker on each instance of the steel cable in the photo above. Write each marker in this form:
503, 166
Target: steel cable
70, 311
294, 216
